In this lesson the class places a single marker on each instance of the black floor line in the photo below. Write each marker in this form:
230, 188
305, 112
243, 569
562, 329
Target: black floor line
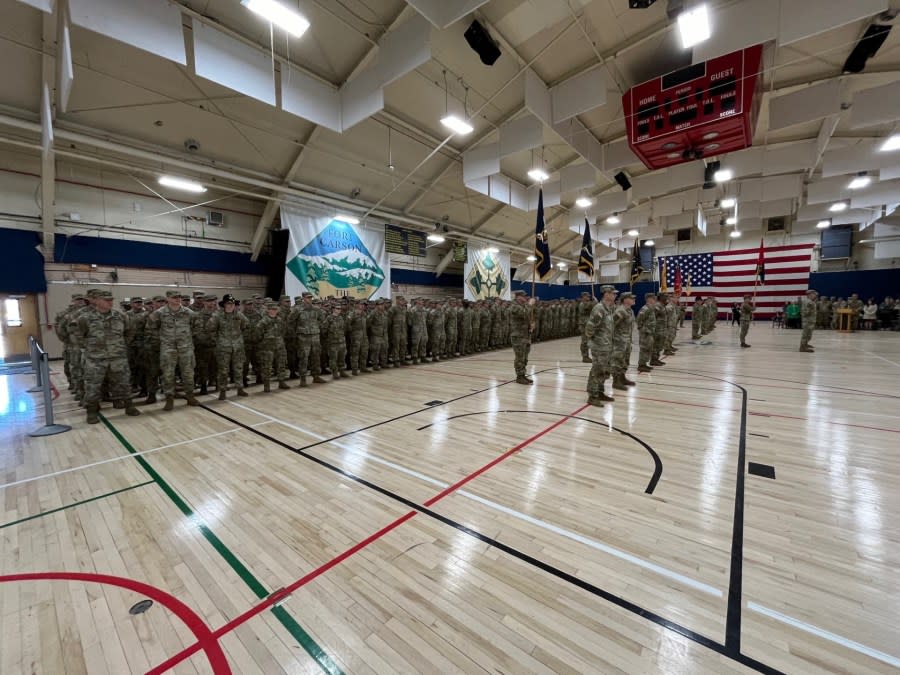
694, 636
658, 465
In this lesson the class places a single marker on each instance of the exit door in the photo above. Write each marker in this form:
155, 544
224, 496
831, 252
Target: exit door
18, 320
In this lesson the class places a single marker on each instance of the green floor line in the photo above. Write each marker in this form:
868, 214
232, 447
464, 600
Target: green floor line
290, 624
74, 504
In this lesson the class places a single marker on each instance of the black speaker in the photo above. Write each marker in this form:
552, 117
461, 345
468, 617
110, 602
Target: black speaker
622, 180
866, 48
483, 44
277, 261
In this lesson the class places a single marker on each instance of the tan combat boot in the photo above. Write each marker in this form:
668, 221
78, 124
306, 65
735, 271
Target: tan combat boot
191, 400
93, 413
618, 383
170, 403
130, 410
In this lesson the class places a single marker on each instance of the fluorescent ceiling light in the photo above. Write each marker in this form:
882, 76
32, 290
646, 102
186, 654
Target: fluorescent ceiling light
649, 242
436, 238
583, 202
723, 175
735, 234
633, 233
731, 220
837, 207
493, 249
350, 220
823, 224
693, 26
728, 202
859, 182
457, 125
561, 265
279, 15
531, 258
614, 220
891, 143
181, 184
538, 174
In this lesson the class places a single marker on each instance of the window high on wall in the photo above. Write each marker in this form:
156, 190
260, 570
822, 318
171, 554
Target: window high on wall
13, 312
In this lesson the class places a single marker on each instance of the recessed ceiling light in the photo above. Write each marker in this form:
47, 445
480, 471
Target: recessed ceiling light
561, 265
674, 155
613, 220
735, 234
583, 202
538, 174
344, 218
860, 182
649, 242
891, 143
723, 175
711, 146
669, 146
731, 220
181, 184
436, 238
824, 224
633, 233
693, 26
278, 15
728, 202
711, 135
493, 249
457, 125
531, 258
837, 207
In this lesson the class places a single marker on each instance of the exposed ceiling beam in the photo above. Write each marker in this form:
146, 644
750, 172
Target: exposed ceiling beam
49, 30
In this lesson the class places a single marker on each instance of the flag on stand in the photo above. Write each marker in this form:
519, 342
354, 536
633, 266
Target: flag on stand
541, 244
761, 263
663, 276
637, 269
586, 261
730, 275
678, 279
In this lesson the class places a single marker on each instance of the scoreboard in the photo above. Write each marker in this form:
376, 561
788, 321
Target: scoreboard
699, 111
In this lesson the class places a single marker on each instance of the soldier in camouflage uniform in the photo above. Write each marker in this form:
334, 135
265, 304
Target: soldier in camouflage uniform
417, 318
623, 321
76, 341
250, 310
137, 321
227, 327
484, 327
698, 317
808, 317
521, 326
435, 323
746, 317
61, 326
496, 325
272, 355
646, 323
377, 326
584, 307
661, 328
172, 324
476, 326
465, 328
712, 315
308, 327
358, 339
599, 329
671, 325
151, 352
334, 340
397, 322
103, 333
203, 342
451, 328
857, 306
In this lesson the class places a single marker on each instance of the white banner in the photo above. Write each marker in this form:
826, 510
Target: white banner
327, 257
486, 275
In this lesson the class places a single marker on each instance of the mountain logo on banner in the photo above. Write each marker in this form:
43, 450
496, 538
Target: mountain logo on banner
336, 262
486, 278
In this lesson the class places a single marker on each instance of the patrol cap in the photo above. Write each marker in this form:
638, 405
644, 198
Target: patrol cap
271, 304
185, 297
649, 295
284, 297
519, 293
209, 296
585, 294
307, 295
298, 298
158, 298
106, 295
173, 294
256, 296
608, 288
77, 296
136, 299
811, 290
626, 295
198, 294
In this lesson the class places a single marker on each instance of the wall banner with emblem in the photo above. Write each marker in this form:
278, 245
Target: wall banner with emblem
486, 275
328, 257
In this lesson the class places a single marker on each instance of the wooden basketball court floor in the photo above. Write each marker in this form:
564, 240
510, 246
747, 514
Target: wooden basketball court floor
440, 518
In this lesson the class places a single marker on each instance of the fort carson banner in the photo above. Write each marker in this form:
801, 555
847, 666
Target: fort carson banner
486, 275
328, 257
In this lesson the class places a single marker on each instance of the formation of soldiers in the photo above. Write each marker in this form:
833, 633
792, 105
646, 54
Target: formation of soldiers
827, 315
199, 343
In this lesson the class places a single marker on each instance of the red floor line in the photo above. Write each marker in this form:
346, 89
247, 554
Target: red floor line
282, 594
188, 616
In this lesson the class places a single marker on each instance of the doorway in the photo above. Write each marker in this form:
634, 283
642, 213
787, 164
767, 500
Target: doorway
18, 320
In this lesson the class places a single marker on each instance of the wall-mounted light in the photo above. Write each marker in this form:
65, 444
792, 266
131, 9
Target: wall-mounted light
344, 218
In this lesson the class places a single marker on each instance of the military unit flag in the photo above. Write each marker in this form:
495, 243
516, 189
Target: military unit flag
586, 259
541, 245
637, 268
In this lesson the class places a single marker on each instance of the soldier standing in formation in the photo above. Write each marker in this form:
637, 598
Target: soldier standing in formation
397, 322
808, 317
336, 341
521, 326
747, 308
103, 333
272, 354
172, 324
599, 330
227, 328
623, 321
359, 339
418, 333
646, 322
377, 326
583, 311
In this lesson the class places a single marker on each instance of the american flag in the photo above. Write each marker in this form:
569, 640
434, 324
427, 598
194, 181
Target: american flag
729, 275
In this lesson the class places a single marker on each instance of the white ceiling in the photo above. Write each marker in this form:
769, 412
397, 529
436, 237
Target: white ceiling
144, 101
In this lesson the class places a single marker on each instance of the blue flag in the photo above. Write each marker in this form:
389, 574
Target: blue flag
541, 245
586, 260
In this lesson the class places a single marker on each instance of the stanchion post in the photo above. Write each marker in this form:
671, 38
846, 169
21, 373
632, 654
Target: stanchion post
49, 428
35, 365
